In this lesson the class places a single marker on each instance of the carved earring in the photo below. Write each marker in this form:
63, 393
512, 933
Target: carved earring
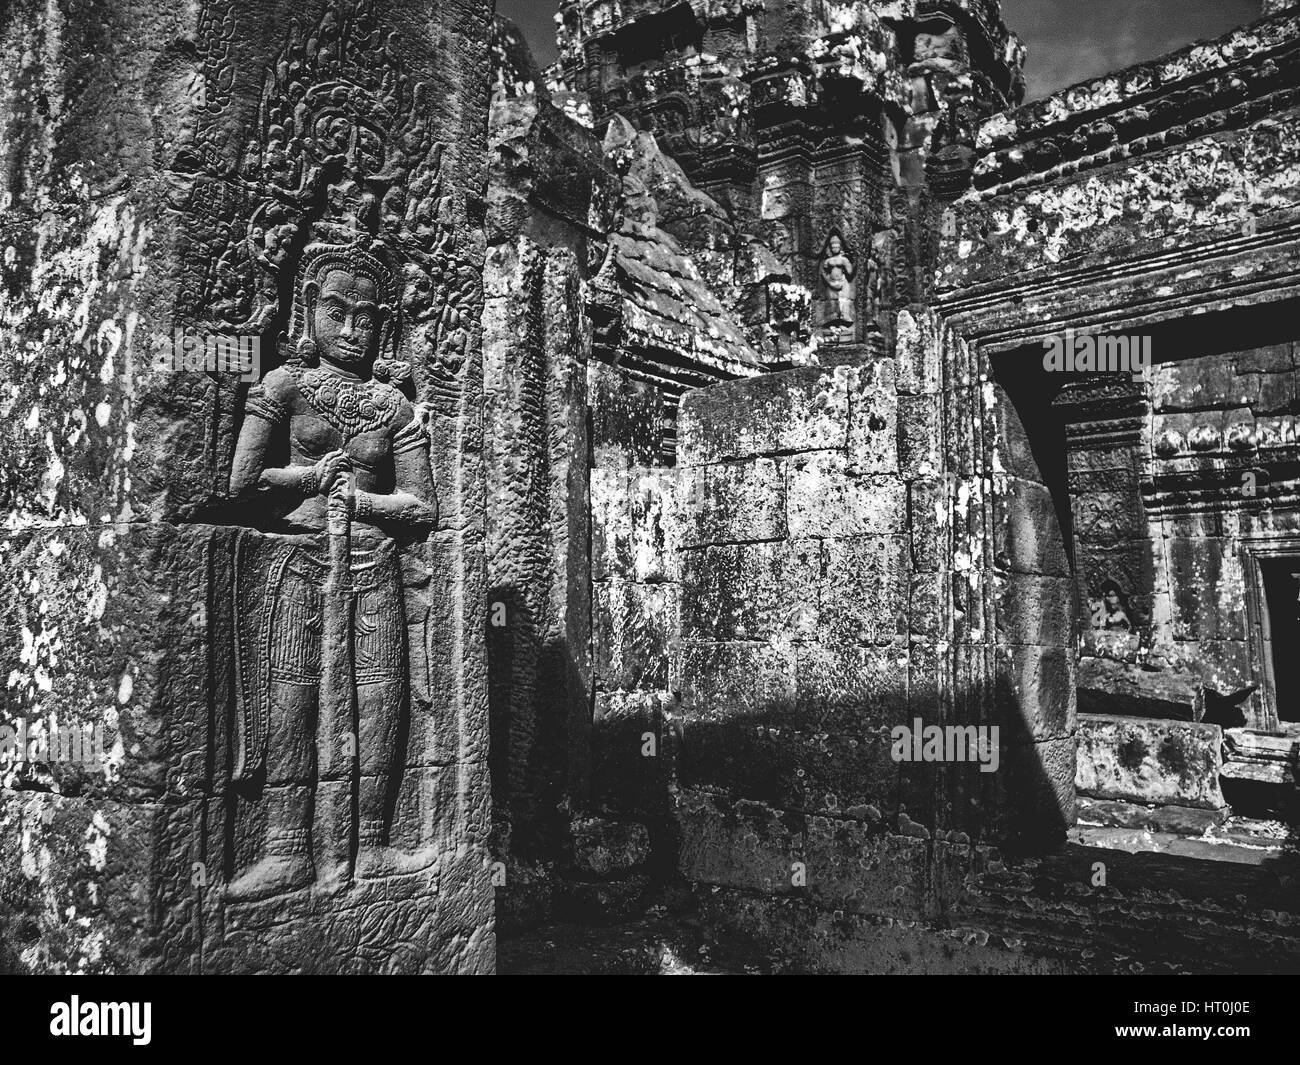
306, 351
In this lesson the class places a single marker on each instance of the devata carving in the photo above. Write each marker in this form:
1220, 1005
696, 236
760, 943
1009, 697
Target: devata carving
1110, 612
342, 140
838, 273
342, 461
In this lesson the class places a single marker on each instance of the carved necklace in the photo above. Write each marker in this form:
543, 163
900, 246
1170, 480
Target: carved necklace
351, 407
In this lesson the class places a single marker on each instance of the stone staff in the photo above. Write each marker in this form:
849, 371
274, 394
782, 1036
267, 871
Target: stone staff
338, 726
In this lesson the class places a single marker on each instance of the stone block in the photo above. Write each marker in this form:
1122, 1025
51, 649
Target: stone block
1107, 686
1273, 359
806, 409
741, 844
864, 590
1183, 820
919, 437
729, 503
734, 680
927, 515
633, 626
77, 878
602, 847
1036, 610
1012, 448
740, 755
1204, 383
1034, 794
610, 524
920, 363
1109, 517
849, 690
634, 523
1026, 803
856, 868
1027, 529
875, 419
1208, 583
654, 513
1035, 692
826, 497
752, 591
626, 417
111, 631
602, 903
927, 610
1150, 760
631, 753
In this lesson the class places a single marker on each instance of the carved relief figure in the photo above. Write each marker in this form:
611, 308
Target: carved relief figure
939, 59
1109, 613
940, 43
334, 453
838, 273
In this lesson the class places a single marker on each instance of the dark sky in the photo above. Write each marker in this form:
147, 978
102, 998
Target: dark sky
1069, 40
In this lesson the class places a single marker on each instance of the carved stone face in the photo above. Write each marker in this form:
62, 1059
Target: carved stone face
347, 320
834, 246
1111, 599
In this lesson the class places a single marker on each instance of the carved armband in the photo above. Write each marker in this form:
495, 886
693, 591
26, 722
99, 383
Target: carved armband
410, 437
363, 505
264, 406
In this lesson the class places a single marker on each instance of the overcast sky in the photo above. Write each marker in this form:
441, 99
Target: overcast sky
1069, 40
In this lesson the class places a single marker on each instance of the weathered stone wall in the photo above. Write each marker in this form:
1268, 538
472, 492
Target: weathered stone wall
1087, 210
864, 545
546, 182
906, 528
146, 188
578, 508
539, 637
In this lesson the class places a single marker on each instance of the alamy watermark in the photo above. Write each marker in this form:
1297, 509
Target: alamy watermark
919, 742
132, 1020
49, 742
208, 352
1071, 352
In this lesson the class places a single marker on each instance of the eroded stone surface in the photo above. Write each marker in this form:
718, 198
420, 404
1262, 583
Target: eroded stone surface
176, 587
760, 464
1151, 760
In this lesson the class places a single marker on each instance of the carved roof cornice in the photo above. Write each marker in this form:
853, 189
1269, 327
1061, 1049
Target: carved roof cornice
1231, 82
1003, 52
1222, 460
859, 48
582, 21
654, 313
1106, 408
1224, 271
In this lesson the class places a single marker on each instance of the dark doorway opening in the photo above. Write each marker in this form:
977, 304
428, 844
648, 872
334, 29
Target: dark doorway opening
1282, 598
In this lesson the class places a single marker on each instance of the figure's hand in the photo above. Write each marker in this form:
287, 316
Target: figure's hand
332, 467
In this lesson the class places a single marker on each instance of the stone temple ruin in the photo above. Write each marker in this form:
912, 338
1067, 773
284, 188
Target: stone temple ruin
756, 496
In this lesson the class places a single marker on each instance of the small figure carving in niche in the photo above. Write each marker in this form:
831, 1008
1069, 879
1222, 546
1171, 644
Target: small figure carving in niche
838, 273
1110, 612
940, 41
782, 244
336, 452
939, 58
